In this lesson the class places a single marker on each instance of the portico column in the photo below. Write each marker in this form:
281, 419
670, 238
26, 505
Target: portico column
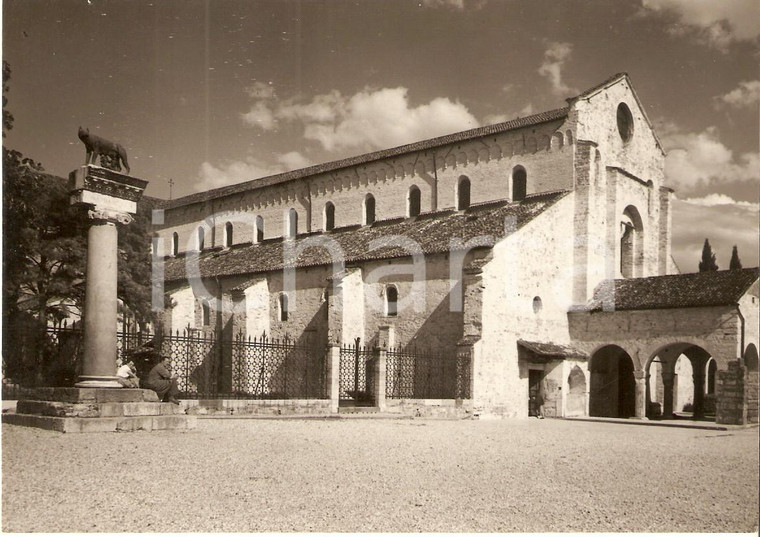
100, 314
667, 383
641, 394
699, 390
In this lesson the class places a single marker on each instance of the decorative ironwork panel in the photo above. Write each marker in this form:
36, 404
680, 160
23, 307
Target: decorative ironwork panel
194, 361
411, 374
277, 369
356, 375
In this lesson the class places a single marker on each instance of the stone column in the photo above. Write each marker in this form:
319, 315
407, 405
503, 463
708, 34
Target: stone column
641, 395
699, 390
110, 197
668, 378
100, 314
333, 377
380, 374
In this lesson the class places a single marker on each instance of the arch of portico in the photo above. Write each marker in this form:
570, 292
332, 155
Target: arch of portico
668, 356
646, 336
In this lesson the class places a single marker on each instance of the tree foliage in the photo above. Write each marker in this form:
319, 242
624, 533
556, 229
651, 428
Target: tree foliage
44, 241
736, 263
7, 116
44, 251
708, 262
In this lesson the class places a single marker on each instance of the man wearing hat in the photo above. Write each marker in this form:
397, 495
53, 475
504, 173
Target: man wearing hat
160, 380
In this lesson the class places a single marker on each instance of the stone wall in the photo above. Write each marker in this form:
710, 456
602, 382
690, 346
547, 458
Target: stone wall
533, 263
642, 334
543, 150
425, 318
731, 408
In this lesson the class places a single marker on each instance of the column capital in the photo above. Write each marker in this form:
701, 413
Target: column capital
108, 215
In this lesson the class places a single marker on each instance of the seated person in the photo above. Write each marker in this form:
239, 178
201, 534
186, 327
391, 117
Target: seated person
160, 380
126, 375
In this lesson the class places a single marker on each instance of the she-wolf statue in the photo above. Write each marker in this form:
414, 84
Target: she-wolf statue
110, 153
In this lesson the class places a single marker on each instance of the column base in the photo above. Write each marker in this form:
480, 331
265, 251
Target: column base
94, 381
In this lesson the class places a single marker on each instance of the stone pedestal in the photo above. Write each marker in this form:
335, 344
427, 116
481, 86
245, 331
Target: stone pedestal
80, 410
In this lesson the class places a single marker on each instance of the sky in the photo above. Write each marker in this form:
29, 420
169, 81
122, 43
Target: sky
205, 93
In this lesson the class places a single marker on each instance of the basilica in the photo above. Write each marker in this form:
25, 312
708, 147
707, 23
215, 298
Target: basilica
540, 247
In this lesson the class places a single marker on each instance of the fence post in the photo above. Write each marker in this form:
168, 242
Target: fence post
333, 376
380, 373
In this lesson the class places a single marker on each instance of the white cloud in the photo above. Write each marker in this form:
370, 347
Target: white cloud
293, 160
724, 224
554, 60
493, 119
701, 159
715, 200
236, 171
747, 94
716, 22
231, 172
322, 108
454, 4
260, 115
366, 120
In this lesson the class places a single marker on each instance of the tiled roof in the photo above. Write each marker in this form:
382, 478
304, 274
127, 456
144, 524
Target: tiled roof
535, 119
432, 232
700, 289
551, 349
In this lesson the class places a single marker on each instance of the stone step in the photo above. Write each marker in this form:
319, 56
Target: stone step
357, 409
89, 395
95, 410
103, 425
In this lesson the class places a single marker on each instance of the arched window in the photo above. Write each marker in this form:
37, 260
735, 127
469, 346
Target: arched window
259, 232
201, 238
413, 201
329, 216
391, 301
206, 309
519, 183
228, 234
463, 194
369, 209
175, 243
283, 306
292, 223
631, 244
624, 122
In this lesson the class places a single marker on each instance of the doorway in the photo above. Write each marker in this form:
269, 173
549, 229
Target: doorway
534, 387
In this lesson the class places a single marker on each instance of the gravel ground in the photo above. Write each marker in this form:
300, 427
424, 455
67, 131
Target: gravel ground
382, 476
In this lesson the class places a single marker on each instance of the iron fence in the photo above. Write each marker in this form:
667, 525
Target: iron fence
357, 382
53, 356
208, 367
413, 374
278, 369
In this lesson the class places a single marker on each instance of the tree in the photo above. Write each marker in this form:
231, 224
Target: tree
134, 285
7, 116
708, 262
736, 263
44, 254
